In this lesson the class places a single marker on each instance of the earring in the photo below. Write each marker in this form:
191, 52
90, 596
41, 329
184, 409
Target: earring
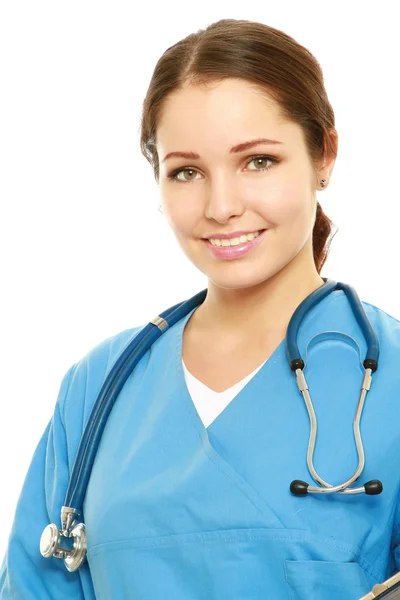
323, 182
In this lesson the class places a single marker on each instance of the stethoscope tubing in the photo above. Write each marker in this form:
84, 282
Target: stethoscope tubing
109, 392
319, 294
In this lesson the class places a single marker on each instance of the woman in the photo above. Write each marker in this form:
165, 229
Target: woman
189, 495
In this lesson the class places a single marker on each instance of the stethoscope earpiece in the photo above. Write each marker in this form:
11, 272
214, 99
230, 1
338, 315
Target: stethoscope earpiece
299, 488
373, 487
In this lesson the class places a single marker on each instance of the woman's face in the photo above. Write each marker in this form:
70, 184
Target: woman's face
222, 192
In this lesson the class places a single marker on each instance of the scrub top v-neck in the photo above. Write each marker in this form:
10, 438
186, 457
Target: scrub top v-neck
209, 403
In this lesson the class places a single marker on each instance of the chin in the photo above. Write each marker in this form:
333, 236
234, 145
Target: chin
240, 281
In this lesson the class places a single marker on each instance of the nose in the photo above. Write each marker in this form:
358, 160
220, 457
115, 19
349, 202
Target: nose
223, 201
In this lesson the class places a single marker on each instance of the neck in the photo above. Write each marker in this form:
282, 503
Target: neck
258, 310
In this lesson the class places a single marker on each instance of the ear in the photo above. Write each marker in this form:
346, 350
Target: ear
328, 162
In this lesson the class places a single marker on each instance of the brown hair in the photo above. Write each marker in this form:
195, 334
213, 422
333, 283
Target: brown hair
264, 57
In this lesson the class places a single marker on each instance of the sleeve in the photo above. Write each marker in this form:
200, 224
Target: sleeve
395, 550
24, 573
394, 564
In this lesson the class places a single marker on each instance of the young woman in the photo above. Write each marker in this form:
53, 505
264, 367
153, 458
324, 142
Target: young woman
190, 493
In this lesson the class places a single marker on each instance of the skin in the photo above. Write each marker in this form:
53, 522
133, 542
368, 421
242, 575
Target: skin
257, 293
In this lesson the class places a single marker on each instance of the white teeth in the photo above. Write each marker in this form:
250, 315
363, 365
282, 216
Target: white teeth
235, 241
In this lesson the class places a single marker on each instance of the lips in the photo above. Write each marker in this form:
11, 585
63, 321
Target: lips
232, 252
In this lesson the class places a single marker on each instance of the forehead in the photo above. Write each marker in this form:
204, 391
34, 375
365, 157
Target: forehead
232, 110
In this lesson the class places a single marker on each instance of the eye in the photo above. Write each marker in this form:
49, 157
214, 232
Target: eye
259, 157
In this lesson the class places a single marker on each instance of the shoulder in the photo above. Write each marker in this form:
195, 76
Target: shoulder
386, 326
82, 382
380, 316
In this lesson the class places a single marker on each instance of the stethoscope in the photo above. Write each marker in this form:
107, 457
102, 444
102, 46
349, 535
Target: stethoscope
69, 542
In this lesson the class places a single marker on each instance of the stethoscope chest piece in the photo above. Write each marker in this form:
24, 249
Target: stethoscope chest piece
75, 552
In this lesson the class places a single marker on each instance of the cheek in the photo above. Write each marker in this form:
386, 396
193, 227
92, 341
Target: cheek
287, 204
180, 218
181, 210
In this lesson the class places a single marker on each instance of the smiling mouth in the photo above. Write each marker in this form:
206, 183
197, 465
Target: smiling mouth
235, 251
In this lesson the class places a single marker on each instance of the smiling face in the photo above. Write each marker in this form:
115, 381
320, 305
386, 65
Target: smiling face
224, 192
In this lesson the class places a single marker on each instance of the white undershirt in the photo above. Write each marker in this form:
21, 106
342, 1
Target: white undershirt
210, 404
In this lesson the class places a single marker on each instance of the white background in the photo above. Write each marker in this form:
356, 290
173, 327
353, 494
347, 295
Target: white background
85, 253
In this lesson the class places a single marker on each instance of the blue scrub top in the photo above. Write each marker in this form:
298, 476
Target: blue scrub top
178, 510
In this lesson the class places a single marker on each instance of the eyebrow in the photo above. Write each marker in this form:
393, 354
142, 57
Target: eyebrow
235, 149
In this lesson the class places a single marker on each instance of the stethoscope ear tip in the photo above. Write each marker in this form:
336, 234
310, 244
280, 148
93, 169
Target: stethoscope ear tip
373, 487
299, 487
